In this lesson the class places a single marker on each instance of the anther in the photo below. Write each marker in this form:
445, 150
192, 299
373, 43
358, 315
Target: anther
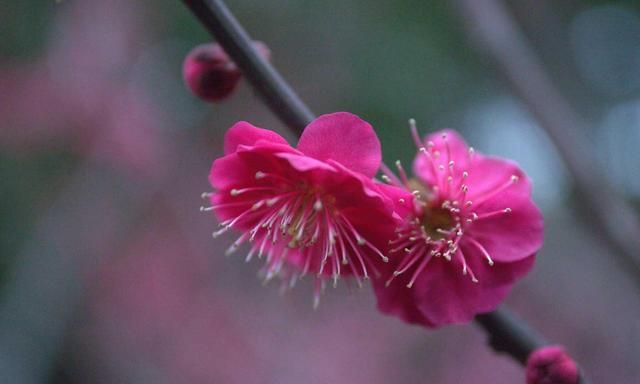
206, 195
514, 178
206, 209
272, 201
231, 249
507, 210
317, 205
386, 179
260, 175
234, 192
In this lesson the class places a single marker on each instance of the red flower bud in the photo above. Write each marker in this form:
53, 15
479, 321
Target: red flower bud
551, 365
211, 74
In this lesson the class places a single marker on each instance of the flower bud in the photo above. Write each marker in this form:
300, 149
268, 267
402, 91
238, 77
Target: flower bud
551, 365
211, 74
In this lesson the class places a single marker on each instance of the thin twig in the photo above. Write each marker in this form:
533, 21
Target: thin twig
507, 333
497, 35
269, 84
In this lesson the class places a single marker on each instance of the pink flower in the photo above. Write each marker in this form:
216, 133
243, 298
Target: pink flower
469, 233
551, 365
310, 209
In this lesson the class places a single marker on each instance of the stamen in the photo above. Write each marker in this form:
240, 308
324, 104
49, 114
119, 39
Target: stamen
492, 214
512, 180
236, 192
421, 267
403, 174
482, 249
390, 175
414, 133
466, 269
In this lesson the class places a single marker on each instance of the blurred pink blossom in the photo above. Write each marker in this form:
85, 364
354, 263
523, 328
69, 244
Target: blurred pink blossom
152, 304
77, 97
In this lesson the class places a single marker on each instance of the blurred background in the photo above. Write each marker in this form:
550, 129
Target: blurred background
109, 274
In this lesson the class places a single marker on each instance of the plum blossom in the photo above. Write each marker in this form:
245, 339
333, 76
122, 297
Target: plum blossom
470, 231
311, 209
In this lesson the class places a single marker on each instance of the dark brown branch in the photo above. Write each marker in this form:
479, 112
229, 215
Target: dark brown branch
497, 35
507, 334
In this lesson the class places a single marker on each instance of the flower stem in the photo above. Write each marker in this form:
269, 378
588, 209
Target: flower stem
506, 333
269, 84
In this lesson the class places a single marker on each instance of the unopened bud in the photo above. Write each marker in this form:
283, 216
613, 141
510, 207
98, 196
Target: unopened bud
551, 364
211, 74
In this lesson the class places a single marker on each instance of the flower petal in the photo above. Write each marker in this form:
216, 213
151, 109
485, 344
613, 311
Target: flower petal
514, 235
487, 173
243, 133
305, 163
229, 171
443, 295
402, 200
449, 297
345, 138
445, 146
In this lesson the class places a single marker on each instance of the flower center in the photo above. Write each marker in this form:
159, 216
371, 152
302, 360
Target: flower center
436, 221
279, 215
